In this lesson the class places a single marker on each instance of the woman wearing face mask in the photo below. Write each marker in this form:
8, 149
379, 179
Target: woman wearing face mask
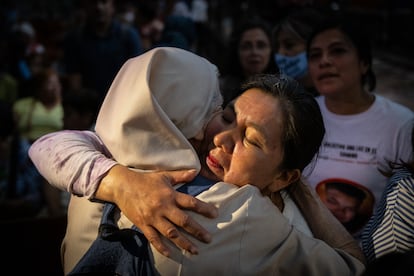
290, 37
364, 131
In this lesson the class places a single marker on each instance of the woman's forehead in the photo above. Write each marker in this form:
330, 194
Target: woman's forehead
330, 36
259, 108
256, 98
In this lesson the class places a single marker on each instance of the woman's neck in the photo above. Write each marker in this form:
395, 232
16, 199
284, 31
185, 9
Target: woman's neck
348, 104
277, 200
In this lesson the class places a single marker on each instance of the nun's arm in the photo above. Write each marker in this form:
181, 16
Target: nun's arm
73, 161
78, 162
157, 207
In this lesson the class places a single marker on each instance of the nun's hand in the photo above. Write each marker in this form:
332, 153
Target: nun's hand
149, 201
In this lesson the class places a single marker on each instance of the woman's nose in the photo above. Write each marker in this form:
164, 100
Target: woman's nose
225, 141
325, 59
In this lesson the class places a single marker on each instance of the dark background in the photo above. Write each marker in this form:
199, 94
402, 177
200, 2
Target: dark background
390, 22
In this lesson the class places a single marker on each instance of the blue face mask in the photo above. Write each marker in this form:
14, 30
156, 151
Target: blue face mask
295, 67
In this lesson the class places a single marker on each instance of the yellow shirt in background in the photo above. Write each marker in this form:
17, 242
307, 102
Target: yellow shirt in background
34, 120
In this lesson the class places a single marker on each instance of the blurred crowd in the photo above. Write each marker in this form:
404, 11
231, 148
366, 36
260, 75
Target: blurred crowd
58, 61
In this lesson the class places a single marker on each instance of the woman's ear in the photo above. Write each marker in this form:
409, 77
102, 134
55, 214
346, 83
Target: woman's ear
284, 179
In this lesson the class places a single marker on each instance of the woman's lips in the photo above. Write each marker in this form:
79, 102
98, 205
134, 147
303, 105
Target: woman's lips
327, 76
211, 161
215, 167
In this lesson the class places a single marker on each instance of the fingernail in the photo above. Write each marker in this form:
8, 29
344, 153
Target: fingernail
193, 250
207, 238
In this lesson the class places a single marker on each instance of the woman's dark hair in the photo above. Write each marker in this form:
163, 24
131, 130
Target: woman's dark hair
357, 36
233, 66
301, 21
303, 128
347, 189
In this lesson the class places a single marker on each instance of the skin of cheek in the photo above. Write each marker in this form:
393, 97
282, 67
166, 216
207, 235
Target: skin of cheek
243, 170
235, 173
251, 166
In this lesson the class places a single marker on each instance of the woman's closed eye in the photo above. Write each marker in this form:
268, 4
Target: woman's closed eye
251, 142
252, 139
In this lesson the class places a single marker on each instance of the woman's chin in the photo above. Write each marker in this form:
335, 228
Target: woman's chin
207, 173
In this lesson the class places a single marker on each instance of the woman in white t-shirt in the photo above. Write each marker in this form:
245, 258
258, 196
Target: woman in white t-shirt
363, 130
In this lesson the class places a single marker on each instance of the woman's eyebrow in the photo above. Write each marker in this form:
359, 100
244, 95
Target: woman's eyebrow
260, 131
338, 43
